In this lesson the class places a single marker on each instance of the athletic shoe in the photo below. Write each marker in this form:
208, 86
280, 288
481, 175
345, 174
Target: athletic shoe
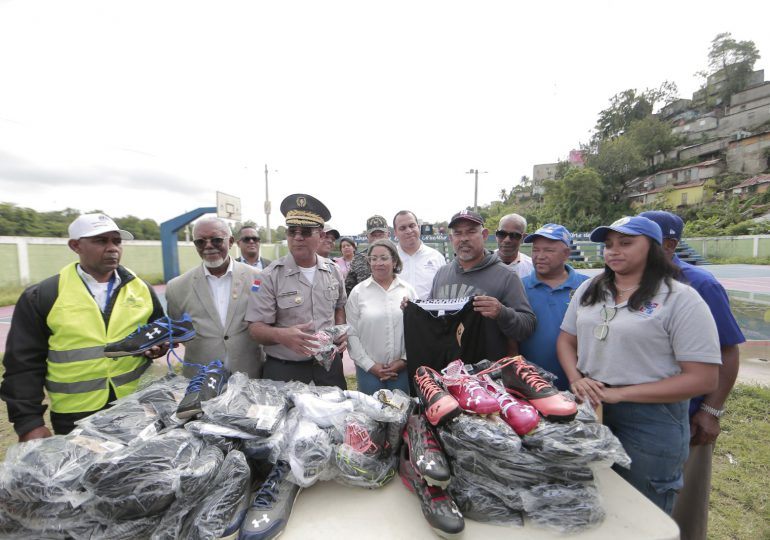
439, 509
523, 380
517, 413
207, 384
365, 436
467, 390
440, 406
362, 470
163, 330
425, 452
269, 512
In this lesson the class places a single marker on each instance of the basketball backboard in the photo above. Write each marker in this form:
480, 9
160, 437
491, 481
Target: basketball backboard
228, 206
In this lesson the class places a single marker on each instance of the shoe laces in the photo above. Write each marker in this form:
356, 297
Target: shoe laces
268, 492
203, 371
529, 375
428, 384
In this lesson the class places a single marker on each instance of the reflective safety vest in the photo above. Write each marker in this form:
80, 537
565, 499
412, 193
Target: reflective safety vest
79, 375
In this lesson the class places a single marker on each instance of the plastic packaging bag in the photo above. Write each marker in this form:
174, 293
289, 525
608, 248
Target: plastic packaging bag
309, 452
483, 499
576, 443
141, 479
566, 508
220, 512
325, 351
253, 406
193, 485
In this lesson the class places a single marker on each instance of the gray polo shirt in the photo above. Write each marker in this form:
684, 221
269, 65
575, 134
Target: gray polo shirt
285, 298
645, 345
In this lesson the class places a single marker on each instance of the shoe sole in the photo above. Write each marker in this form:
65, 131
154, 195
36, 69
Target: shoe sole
442, 534
179, 339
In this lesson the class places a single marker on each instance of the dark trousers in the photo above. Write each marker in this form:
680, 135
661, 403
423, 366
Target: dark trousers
305, 371
63, 423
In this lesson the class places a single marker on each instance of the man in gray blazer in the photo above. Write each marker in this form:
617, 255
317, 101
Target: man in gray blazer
215, 295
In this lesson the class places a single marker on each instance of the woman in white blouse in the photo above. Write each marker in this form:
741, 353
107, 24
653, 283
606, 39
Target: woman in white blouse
373, 311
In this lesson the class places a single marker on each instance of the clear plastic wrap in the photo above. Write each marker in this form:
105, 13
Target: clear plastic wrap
132, 529
309, 452
566, 508
490, 435
142, 414
193, 485
483, 499
576, 443
358, 469
323, 412
254, 406
141, 479
365, 458
325, 351
220, 512
271, 448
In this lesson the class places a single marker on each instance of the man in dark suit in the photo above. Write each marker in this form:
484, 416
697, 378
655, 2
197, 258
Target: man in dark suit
248, 243
215, 295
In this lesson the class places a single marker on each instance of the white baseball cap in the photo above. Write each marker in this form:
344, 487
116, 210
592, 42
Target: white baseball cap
94, 224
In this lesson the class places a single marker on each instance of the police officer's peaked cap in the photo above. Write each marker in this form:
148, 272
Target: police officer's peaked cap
304, 210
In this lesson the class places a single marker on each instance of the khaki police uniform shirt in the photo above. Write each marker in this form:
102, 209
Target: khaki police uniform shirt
285, 298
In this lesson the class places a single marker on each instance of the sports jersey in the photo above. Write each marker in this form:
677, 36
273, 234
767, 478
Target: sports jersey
435, 339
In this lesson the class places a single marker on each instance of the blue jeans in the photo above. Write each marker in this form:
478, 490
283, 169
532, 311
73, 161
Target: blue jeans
369, 383
657, 437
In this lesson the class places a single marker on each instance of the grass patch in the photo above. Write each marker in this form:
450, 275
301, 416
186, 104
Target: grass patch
740, 491
9, 295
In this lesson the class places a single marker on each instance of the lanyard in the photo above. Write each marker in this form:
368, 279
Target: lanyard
110, 285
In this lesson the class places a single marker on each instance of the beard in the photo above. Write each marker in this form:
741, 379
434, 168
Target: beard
216, 263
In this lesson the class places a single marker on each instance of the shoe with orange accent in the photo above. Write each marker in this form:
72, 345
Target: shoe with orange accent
467, 390
440, 406
522, 379
516, 412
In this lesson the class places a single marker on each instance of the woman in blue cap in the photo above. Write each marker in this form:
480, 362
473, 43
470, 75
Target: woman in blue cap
642, 344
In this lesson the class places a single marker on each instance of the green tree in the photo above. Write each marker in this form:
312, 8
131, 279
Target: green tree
629, 106
617, 161
732, 59
652, 135
576, 200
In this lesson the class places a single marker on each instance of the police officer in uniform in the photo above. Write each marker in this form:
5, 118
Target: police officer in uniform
298, 295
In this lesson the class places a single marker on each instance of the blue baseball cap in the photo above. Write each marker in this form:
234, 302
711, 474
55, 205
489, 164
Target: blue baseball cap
671, 224
633, 226
552, 231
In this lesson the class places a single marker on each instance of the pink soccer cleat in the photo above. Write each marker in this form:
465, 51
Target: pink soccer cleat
468, 391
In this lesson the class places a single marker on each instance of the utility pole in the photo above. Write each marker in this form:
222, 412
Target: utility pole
475, 173
267, 209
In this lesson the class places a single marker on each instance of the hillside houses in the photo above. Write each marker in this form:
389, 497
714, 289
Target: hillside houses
718, 138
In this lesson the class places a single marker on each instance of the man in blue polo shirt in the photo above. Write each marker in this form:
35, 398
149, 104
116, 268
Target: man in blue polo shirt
549, 289
691, 507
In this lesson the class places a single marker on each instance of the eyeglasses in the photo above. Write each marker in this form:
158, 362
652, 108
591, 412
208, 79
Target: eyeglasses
381, 258
607, 314
512, 235
248, 239
306, 232
200, 243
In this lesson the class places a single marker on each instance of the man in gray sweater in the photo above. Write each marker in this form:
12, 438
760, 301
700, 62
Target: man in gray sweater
499, 295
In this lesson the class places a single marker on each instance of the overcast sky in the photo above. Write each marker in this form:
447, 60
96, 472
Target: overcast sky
150, 107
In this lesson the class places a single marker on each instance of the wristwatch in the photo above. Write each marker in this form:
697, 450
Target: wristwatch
712, 411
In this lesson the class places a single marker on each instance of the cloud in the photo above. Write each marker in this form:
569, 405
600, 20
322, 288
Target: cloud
17, 171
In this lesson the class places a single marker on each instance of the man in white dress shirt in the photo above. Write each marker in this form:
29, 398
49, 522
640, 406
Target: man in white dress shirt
420, 261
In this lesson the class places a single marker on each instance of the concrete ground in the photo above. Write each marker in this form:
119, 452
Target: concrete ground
748, 279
